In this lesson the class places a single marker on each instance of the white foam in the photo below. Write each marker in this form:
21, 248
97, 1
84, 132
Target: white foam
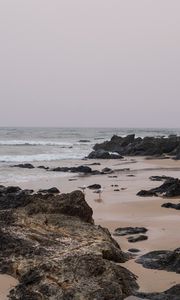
34, 143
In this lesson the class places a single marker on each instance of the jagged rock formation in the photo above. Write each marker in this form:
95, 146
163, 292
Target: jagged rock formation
50, 243
147, 146
170, 188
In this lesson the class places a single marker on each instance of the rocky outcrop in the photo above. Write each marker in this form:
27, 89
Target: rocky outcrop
171, 205
161, 260
170, 188
147, 146
51, 245
102, 154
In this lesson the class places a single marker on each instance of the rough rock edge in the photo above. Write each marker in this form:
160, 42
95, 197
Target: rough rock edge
50, 244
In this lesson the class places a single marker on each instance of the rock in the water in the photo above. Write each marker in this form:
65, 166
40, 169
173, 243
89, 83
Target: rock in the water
139, 238
161, 260
24, 166
94, 186
171, 205
49, 242
102, 154
53, 190
170, 188
129, 230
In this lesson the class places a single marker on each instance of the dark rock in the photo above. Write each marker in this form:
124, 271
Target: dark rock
139, 238
94, 164
84, 141
161, 260
43, 167
129, 230
24, 166
171, 205
171, 294
133, 250
94, 186
147, 146
49, 242
116, 190
52, 190
102, 154
160, 178
170, 188
107, 171
80, 169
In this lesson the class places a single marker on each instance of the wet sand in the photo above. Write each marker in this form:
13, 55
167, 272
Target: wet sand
124, 208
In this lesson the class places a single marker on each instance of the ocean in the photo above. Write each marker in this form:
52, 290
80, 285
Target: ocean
42, 145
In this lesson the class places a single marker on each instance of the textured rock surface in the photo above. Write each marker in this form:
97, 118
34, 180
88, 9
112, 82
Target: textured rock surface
147, 146
170, 188
129, 230
171, 205
49, 242
161, 260
102, 154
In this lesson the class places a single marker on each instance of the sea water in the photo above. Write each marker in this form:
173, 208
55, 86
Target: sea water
20, 145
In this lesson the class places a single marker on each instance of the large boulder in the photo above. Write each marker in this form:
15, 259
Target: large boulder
50, 243
147, 146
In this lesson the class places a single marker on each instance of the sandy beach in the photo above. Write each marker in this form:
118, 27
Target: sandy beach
123, 208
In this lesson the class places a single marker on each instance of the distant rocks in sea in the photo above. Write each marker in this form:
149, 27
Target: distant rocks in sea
130, 145
170, 188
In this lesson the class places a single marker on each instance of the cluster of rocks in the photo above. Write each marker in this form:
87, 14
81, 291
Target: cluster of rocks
83, 169
170, 188
132, 230
130, 145
50, 244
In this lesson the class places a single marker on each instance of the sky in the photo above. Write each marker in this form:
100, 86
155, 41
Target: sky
90, 63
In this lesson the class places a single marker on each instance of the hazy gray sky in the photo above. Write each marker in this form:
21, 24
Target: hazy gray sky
90, 63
